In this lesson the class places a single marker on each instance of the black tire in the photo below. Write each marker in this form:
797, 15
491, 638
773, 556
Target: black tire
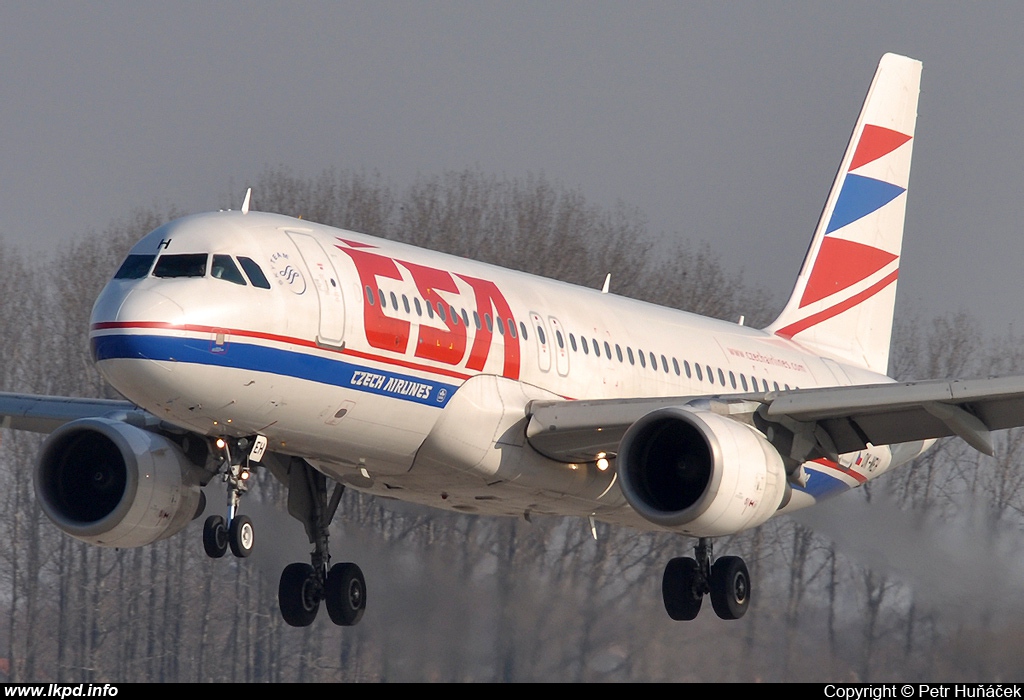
298, 595
730, 588
241, 536
680, 589
215, 537
345, 594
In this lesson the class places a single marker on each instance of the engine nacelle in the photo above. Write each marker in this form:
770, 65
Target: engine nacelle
109, 483
700, 473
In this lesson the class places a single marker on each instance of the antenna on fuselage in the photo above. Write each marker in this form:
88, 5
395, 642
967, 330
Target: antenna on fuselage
245, 202
607, 283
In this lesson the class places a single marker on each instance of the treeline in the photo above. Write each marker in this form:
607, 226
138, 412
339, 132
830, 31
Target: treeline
915, 576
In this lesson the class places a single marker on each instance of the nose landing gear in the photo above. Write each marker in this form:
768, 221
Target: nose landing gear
235, 531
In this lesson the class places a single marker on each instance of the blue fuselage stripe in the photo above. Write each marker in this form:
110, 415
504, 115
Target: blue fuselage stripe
259, 358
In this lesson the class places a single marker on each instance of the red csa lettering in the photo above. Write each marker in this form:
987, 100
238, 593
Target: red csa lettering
382, 331
489, 299
448, 346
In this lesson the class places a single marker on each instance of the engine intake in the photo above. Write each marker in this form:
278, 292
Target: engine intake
109, 483
700, 473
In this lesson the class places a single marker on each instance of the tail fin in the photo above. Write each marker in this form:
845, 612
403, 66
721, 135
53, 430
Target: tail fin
844, 297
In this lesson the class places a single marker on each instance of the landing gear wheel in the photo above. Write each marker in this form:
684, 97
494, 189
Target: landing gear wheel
215, 537
345, 594
298, 595
680, 588
241, 536
730, 588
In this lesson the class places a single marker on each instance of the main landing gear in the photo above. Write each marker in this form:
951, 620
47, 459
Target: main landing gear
234, 531
304, 586
688, 580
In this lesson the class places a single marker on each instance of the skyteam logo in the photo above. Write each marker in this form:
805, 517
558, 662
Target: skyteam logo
287, 273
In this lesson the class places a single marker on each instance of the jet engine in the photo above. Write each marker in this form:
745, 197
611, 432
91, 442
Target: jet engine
700, 473
109, 483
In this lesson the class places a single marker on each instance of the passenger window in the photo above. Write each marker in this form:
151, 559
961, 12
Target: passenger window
476, 320
629, 353
732, 379
711, 374
522, 331
618, 352
572, 342
558, 337
224, 268
664, 365
430, 308
455, 315
743, 381
512, 328
187, 265
654, 362
586, 346
643, 359
380, 295
441, 312
394, 301
254, 272
686, 368
607, 350
540, 336
135, 267
369, 296
465, 318
490, 325
500, 322
721, 376
419, 307
405, 303
597, 348
675, 366
700, 376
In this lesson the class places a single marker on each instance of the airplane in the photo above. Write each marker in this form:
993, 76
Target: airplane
244, 340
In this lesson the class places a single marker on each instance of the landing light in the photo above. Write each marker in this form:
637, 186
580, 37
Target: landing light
602, 463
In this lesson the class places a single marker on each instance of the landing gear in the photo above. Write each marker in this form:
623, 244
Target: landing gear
303, 586
688, 580
215, 537
235, 531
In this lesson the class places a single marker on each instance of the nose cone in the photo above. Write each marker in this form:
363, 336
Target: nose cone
121, 305
120, 312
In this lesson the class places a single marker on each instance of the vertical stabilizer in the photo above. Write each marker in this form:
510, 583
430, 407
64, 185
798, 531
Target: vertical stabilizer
843, 302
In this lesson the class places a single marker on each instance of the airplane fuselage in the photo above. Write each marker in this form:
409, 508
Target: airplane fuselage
347, 350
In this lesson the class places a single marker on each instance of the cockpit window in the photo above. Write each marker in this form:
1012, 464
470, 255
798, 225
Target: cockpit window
187, 265
135, 267
224, 268
256, 275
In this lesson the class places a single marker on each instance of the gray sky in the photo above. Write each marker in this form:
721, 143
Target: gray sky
722, 122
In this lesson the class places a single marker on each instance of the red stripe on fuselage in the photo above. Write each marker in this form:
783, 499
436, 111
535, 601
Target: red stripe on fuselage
299, 342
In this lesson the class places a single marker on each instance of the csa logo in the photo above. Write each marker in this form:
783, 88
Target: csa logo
287, 273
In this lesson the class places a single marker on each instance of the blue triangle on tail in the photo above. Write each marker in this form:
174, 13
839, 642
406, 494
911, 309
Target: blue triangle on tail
859, 197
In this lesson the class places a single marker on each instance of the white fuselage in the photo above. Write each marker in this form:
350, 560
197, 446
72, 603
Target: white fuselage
340, 361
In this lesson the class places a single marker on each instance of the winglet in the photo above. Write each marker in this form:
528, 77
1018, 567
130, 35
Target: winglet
842, 304
245, 202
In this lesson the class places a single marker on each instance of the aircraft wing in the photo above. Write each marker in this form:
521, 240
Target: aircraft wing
44, 414
840, 419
